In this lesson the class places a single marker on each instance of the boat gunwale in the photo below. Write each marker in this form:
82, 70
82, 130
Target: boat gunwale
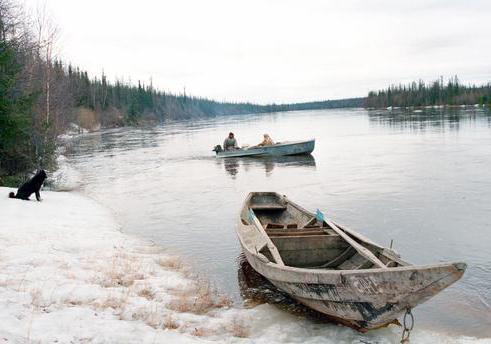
331, 272
325, 271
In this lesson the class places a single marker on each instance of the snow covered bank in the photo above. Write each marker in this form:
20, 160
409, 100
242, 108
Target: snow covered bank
74, 130
67, 275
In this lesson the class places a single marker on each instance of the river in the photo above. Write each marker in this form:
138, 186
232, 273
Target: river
421, 178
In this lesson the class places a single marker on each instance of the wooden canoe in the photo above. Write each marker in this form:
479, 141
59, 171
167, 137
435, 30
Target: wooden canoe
344, 275
279, 149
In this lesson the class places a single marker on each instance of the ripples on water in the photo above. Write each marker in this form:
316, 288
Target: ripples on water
420, 178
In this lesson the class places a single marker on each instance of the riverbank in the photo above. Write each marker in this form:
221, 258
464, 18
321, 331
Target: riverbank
68, 275
433, 107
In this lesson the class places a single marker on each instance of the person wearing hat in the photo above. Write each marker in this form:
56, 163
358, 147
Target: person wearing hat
230, 142
267, 141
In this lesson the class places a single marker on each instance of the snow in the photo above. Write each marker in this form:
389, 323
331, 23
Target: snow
74, 130
68, 275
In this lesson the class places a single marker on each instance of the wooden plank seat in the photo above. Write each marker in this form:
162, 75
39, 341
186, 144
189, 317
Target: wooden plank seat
284, 233
274, 225
280, 226
267, 206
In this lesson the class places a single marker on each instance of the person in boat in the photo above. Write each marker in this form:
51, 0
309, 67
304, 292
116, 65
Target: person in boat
230, 142
267, 141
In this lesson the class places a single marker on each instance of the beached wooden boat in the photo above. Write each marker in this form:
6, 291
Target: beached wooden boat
331, 268
283, 148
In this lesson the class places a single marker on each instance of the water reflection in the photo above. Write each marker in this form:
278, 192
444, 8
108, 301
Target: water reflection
434, 118
268, 164
231, 166
110, 141
255, 290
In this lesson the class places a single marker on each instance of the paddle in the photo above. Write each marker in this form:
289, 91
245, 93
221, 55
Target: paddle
271, 246
360, 249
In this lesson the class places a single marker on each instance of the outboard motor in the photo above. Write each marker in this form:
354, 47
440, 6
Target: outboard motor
217, 149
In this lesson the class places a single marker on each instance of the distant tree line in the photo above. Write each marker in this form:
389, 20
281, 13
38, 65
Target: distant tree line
121, 103
325, 104
433, 93
97, 101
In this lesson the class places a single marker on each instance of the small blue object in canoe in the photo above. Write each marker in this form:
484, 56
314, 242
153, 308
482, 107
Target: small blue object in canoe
319, 216
252, 216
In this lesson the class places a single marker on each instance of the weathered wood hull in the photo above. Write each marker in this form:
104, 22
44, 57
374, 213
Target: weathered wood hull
365, 298
286, 148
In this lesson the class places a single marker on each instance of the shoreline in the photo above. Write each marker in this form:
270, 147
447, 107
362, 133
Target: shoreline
68, 274
431, 107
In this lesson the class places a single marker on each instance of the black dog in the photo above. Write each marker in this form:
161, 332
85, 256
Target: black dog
31, 186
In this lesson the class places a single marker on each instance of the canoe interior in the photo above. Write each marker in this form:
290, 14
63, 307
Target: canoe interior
303, 241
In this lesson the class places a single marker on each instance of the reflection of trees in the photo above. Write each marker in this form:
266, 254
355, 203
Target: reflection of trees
422, 119
268, 164
113, 139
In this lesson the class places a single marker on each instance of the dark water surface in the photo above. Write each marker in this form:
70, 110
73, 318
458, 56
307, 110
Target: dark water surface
420, 178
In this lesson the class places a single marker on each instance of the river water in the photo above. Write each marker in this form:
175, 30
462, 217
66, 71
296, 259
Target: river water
421, 178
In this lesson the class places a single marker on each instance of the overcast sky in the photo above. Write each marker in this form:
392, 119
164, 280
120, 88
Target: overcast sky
276, 50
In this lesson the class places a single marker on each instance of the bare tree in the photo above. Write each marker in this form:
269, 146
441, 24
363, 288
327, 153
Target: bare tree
7, 19
47, 33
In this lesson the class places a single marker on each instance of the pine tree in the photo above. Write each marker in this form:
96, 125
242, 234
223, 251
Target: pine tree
16, 149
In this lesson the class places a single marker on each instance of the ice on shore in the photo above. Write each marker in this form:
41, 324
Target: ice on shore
68, 275
65, 178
